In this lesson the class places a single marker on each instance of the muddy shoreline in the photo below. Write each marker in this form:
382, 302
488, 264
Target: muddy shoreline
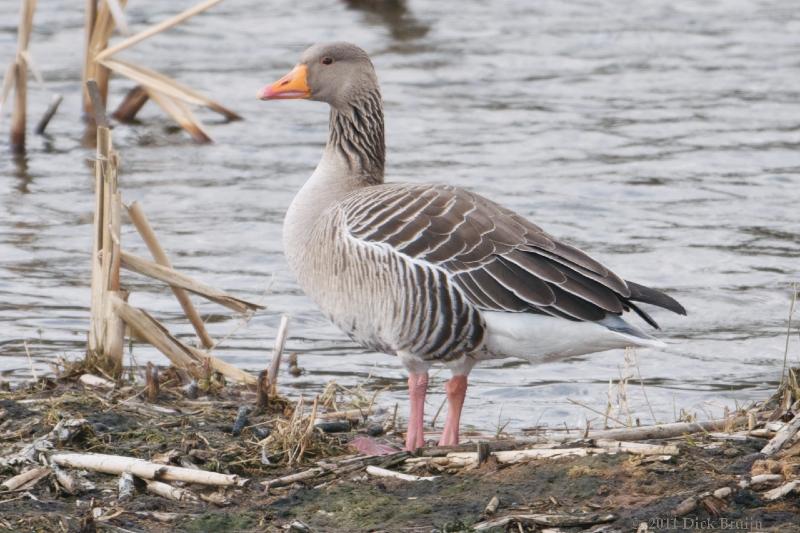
707, 480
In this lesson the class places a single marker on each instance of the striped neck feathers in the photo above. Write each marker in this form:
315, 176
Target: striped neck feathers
356, 134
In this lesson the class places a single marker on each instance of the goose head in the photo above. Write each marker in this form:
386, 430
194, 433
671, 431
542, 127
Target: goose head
335, 73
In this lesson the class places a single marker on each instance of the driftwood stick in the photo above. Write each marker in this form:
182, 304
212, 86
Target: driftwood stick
171, 493
458, 459
49, 114
783, 490
277, 352
294, 478
782, 437
174, 278
553, 520
26, 479
383, 472
492, 506
144, 228
117, 464
131, 104
661, 431
126, 487
157, 28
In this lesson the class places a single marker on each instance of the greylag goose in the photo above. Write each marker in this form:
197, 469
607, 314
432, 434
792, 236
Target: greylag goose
435, 273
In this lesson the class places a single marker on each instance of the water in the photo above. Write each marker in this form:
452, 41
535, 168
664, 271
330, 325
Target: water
662, 137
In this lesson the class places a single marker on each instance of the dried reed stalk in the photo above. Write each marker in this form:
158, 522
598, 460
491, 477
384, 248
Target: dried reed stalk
137, 216
157, 28
101, 31
146, 327
226, 369
89, 18
18, 118
106, 332
117, 13
173, 278
131, 104
151, 382
181, 114
182, 356
166, 85
277, 352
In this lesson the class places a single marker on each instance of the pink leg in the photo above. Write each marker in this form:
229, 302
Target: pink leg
417, 389
456, 390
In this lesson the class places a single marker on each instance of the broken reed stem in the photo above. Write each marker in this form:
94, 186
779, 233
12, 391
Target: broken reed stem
151, 382
144, 228
48, 115
131, 104
90, 15
102, 27
165, 85
277, 352
147, 328
174, 278
19, 116
181, 114
182, 356
262, 392
788, 334
106, 331
157, 28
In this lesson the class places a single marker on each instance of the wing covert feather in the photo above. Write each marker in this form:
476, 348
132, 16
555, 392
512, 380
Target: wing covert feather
497, 259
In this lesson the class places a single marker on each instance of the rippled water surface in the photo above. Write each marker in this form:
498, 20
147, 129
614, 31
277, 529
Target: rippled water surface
663, 137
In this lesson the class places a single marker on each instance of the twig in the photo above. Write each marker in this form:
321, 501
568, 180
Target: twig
641, 384
618, 421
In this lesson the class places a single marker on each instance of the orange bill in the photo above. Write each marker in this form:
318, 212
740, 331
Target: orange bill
293, 85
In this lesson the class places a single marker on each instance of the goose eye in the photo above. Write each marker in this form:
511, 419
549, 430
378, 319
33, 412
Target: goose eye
327, 60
